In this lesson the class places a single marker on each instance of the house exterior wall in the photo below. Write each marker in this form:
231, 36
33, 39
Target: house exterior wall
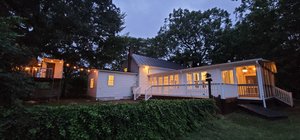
92, 92
143, 79
58, 69
121, 89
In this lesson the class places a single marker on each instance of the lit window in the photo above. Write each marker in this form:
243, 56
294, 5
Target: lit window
196, 79
176, 79
154, 81
203, 76
111, 80
227, 77
171, 80
92, 82
189, 78
166, 80
160, 80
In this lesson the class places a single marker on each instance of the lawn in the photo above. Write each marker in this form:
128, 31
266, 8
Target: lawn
242, 125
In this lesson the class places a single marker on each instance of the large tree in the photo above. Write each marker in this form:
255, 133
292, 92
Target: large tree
77, 31
191, 35
270, 29
14, 84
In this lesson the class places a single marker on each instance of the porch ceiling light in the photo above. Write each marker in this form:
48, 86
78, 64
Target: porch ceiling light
244, 70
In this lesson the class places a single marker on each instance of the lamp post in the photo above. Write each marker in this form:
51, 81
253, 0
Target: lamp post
208, 79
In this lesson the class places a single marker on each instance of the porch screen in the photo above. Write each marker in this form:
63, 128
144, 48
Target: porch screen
227, 76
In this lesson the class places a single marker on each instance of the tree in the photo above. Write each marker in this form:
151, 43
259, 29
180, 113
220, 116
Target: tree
14, 85
77, 31
191, 35
270, 30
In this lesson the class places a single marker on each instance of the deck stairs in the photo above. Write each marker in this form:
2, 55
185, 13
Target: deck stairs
264, 112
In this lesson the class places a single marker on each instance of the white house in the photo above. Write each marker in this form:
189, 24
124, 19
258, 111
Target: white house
245, 80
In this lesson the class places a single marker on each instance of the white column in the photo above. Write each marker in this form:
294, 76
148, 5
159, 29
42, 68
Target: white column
260, 84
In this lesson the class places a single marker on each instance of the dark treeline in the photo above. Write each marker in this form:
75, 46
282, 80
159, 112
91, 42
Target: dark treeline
85, 33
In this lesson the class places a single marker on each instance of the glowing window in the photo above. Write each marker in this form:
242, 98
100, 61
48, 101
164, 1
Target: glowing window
166, 80
227, 77
176, 79
154, 81
171, 80
110, 80
189, 78
92, 82
160, 80
203, 76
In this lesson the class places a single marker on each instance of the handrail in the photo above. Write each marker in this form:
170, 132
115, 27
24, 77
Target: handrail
136, 92
284, 96
147, 96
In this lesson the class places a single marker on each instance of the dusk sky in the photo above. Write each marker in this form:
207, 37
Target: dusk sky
145, 17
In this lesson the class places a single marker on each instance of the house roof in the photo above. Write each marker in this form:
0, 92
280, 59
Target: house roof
143, 60
224, 65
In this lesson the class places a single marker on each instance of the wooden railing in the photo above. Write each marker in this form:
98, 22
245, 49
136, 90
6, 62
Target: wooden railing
248, 90
283, 96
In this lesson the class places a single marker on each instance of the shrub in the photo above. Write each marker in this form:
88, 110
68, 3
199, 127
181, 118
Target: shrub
156, 119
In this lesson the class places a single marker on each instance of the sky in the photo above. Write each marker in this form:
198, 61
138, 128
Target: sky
145, 17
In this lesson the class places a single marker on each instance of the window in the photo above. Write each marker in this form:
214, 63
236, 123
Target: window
196, 79
160, 80
92, 82
227, 76
203, 76
110, 80
171, 79
189, 79
166, 80
154, 81
176, 79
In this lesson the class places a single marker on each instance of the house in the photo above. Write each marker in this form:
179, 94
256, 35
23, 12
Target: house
149, 77
47, 74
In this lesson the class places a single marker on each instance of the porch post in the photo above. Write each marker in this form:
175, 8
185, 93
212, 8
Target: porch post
235, 79
260, 84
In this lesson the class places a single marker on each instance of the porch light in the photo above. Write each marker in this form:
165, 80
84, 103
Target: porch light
244, 70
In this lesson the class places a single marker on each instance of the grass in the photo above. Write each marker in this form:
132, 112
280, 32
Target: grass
241, 125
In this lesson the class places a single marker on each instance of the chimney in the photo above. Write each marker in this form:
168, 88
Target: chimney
129, 59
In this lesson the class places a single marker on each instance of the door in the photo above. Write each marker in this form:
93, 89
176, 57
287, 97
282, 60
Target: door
50, 70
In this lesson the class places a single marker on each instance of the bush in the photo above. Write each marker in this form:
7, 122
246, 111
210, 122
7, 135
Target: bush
156, 119
77, 87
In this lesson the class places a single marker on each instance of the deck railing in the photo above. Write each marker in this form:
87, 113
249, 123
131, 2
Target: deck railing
248, 90
283, 96
41, 72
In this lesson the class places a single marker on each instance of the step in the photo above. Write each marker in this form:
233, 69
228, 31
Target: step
268, 113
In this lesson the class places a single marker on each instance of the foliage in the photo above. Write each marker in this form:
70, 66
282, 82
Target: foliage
14, 85
270, 30
191, 35
78, 31
157, 119
77, 87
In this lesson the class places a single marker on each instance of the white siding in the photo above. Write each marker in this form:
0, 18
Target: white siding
123, 82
